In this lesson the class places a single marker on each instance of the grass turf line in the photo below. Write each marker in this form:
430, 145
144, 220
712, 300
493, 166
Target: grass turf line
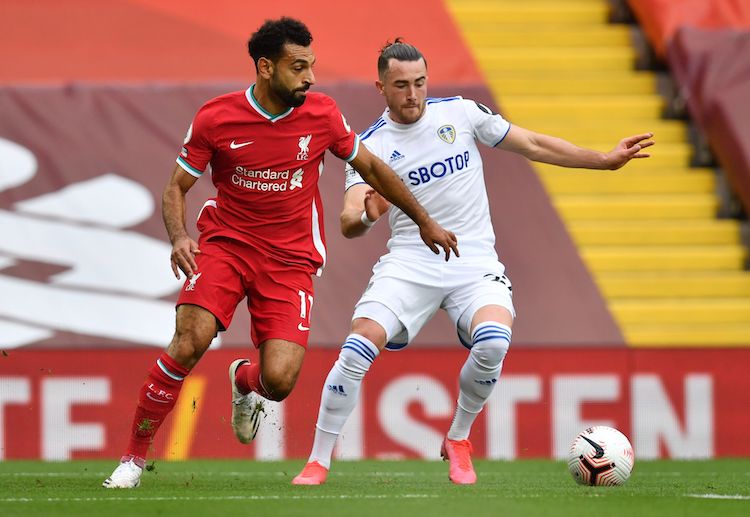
373, 488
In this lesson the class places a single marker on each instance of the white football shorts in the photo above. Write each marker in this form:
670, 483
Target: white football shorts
404, 293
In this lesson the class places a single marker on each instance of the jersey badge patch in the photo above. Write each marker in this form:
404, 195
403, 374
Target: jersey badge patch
447, 133
296, 180
304, 147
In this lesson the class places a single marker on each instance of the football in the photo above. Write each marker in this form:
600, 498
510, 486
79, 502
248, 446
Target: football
601, 456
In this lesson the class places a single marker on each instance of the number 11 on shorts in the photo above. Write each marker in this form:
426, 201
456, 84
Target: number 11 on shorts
305, 304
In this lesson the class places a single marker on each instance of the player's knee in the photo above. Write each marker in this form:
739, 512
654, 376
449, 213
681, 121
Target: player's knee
491, 347
191, 339
350, 366
356, 357
490, 354
371, 330
187, 348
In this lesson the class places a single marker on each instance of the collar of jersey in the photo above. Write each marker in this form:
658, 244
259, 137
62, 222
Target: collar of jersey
257, 107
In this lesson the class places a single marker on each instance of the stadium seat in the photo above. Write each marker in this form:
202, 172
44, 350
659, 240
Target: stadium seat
648, 233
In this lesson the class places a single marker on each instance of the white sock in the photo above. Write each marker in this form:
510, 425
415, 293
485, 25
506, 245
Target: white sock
340, 394
479, 375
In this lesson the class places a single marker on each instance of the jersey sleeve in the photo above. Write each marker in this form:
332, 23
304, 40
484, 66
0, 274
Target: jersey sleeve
351, 176
197, 149
344, 141
490, 128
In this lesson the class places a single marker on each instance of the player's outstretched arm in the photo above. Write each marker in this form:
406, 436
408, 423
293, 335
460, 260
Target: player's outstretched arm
389, 185
184, 248
549, 149
362, 208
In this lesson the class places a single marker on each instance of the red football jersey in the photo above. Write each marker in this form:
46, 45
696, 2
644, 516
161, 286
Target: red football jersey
266, 168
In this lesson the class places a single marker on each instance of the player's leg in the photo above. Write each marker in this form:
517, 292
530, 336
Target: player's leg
280, 364
341, 391
205, 305
195, 329
487, 314
491, 333
280, 300
401, 297
272, 378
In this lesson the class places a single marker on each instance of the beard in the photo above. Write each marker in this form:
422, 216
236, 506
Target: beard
294, 98
410, 114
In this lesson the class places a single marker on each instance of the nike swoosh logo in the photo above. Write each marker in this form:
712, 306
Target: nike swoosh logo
596, 446
301, 327
156, 400
234, 145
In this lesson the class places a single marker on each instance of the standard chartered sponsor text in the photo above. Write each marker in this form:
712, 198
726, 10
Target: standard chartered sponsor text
266, 180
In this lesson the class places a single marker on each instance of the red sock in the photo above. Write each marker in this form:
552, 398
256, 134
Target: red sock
156, 399
248, 379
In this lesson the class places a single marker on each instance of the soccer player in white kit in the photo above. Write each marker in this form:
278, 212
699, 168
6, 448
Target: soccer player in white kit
431, 144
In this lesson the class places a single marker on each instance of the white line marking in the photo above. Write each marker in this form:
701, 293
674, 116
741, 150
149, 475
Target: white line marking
344, 474
53, 474
213, 498
720, 496
209, 474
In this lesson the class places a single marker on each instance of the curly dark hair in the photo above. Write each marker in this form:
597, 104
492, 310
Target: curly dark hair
400, 51
268, 41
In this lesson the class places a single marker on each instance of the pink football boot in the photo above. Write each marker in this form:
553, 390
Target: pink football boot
313, 474
458, 453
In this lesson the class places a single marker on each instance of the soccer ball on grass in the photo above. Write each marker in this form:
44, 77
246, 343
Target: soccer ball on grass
601, 456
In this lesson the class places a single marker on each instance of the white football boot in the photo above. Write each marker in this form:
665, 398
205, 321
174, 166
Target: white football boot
126, 475
246, 409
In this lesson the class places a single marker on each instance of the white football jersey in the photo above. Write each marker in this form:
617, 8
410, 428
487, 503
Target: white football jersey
438, 159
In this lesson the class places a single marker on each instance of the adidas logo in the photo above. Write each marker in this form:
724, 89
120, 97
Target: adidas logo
338, 390
395, 156
485, 382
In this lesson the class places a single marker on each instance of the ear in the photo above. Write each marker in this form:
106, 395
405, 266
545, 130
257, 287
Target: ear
379, 87
265, 68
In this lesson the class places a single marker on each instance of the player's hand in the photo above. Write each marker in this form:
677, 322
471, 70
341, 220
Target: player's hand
435, 235
184, 250
628, 149
375, 205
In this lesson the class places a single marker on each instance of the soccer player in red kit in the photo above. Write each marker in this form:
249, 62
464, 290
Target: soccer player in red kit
262, 237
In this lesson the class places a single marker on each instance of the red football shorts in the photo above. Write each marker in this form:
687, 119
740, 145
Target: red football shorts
279, 296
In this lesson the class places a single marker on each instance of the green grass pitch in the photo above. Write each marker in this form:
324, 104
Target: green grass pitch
373, 488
